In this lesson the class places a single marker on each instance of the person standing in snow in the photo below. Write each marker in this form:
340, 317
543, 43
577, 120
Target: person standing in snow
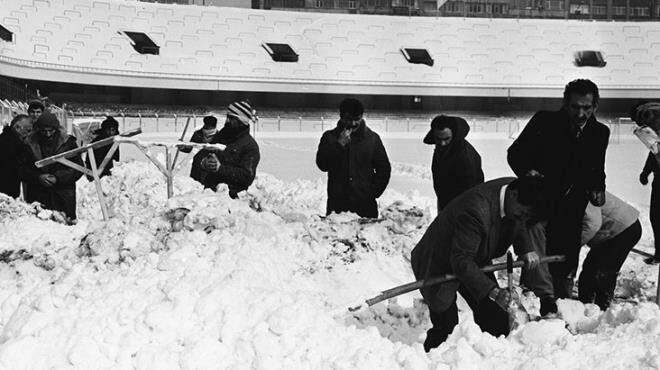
476, 227
53, 186
202, 136
647, 116
235, 166
109, 128
567, 148
456, 165
356, 162
11, 146
611, 231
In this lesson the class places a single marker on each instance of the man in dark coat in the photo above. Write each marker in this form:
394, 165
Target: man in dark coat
11, 148
202, 136
53, 186
356, 162
235, 166
456, 165
567, 148
109, 128
476, 227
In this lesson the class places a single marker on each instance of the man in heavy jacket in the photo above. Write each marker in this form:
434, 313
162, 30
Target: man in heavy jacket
109, 128
235, 166
611, 232
11, 148
476, 227
456, 165
202, 136
53, 186
356, 162
567, 148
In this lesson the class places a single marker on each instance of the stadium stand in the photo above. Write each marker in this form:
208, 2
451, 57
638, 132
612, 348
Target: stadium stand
205, 48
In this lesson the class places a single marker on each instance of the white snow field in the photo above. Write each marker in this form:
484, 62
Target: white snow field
264, 282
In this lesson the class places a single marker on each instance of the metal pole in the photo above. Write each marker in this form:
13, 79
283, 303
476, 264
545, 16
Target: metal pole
176, 126
123, 121
299, 123
279, 124
157, 122
140, 119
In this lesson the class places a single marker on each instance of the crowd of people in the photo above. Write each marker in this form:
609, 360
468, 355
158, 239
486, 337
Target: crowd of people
557, 203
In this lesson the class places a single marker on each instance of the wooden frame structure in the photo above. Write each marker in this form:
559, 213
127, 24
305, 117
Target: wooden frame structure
95, 170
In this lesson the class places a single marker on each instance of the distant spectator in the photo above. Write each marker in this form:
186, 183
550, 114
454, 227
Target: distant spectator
35, 109
202, 136
235, 166
356, 162
12, 146
53, 186
109, 128
456, 165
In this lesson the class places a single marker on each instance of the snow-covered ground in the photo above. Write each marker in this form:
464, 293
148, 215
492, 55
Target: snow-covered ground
265, 281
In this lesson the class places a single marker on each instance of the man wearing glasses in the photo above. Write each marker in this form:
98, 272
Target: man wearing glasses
356, 162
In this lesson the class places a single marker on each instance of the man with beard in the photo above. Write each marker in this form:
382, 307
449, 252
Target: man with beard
456, 165
235, 166
53, 186
567, 148
356, 162
202, 136
11, 146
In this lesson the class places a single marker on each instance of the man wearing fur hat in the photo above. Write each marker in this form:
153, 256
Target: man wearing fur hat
235, 166
53, 186
202, 136
456, 165
356, 162
109, 128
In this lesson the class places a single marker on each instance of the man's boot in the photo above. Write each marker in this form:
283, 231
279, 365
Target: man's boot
548, 306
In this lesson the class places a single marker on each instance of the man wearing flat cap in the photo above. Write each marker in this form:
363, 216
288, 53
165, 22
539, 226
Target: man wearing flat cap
235, 166
456, 165
53, 186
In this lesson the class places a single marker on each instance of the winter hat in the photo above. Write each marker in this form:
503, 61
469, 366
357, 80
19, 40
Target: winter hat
243, 111
457, 125
47, 120
109, 122
210, 121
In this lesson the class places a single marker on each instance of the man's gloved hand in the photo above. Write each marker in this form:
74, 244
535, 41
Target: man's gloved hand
47, 180
531, 260
534, 173
597, 197
502, 297
644, 178
210, 163
344, 137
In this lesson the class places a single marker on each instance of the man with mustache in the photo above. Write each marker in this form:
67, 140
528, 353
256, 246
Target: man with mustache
567, 148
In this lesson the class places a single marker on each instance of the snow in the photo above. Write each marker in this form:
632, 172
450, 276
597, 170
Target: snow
265, 281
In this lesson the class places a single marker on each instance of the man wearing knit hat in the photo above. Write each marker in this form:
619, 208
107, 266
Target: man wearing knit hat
235, 166
53, 186
109, 128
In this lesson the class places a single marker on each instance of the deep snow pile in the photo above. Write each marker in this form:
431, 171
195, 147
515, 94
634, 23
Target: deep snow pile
262, 282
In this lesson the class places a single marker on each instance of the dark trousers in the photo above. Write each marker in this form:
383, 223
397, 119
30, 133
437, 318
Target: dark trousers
655, 215
563, 237
490, 317
603, 263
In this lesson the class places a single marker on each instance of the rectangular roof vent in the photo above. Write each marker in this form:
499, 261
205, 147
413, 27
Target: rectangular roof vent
281, 52
417, 56
6, 34
142, 43
589, 58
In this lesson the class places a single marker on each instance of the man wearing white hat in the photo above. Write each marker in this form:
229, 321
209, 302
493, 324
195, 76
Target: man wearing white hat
235, 166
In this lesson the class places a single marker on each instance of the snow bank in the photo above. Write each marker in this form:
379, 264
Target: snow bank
262, 282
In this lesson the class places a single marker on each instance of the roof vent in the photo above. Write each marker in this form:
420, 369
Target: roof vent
281, 52
142, 43
6, 34
589, 58
417, 56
